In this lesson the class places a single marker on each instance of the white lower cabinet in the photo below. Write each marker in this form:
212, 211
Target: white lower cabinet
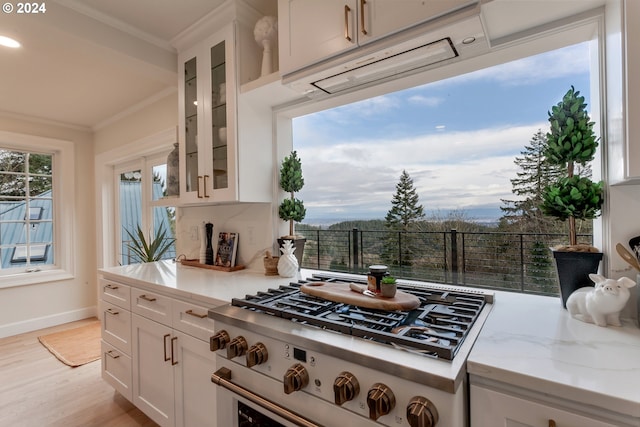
491, 408
155, 352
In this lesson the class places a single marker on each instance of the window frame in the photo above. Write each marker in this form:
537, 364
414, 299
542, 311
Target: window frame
63, 186
135, 154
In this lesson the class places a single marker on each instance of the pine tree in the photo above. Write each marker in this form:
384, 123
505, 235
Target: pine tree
404, 216
405, 209
534, 175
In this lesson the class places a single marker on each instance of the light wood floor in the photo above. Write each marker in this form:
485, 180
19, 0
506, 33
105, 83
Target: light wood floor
38, 390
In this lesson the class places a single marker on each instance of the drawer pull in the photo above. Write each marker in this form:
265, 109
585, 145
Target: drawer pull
191, 313
363, 29
112, 287
347, 9
146, 298
112, 355
112, 311
166, 358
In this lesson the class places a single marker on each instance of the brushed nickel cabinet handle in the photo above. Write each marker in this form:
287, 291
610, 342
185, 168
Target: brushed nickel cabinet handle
112, 355
191, 313
146, 298
347, 9
112, 311
166, 358
362, 27
173, 361
198, 187
206, 177
110, 286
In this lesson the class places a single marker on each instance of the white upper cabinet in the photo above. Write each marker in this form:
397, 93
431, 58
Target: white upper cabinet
208, 142
222, 159
311, 31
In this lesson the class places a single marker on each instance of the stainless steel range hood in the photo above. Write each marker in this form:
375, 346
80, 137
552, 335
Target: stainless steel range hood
447, 39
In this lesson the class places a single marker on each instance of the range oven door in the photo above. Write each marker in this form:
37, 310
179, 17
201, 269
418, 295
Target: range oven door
240, 407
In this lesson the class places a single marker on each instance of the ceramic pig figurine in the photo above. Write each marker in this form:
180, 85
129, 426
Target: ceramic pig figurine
602, 304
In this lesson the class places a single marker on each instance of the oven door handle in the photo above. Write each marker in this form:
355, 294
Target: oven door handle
222, 378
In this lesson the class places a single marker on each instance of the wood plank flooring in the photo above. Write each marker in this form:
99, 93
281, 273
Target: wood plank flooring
36, 389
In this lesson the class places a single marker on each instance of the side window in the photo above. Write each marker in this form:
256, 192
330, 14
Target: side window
144, 206
26, 210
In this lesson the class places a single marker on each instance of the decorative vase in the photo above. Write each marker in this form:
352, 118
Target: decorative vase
287, 264
298, 245
209, 252
573, 270
173, 172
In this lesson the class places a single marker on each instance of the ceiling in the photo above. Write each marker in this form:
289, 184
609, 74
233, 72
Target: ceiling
84, 63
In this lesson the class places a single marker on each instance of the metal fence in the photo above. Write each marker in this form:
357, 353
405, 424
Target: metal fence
519, 262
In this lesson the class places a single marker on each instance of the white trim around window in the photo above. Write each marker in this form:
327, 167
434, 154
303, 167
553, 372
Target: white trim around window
64, 205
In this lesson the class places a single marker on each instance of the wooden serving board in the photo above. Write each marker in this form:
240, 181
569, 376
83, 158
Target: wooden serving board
340, 292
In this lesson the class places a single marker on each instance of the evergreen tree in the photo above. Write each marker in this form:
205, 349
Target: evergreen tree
405, 209
405, 215
534, 175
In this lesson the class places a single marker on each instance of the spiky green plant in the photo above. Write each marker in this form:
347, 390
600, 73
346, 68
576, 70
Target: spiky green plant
146, 251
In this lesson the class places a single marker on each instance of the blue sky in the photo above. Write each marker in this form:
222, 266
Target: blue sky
456, 138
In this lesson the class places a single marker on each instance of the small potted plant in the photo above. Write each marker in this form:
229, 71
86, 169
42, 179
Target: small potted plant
570, 141
152, 249
388, 286
292, 209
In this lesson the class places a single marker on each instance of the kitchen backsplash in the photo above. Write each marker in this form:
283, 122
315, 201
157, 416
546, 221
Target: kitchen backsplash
253, 222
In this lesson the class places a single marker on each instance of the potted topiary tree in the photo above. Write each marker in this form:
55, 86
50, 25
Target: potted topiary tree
292, 209
570, 142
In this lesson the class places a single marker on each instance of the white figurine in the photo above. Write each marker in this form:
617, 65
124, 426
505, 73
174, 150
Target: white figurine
266, 32
601, 304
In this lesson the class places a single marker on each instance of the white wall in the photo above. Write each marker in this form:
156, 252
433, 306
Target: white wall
25, 308
251, 220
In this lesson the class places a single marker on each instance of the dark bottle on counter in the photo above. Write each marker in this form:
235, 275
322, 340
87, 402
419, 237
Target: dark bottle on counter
209, 252
376, 273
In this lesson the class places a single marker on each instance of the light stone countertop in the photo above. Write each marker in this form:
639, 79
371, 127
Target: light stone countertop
208, 287
532, 342
527, 341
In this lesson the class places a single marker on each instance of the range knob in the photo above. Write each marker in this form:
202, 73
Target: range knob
345, 388
257, 354
296, 378
219, 340
237, 347
380, 400
421, 412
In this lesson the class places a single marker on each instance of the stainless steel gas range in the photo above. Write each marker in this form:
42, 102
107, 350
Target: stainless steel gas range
286, 358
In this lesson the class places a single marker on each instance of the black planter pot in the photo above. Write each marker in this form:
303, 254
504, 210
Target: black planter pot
573, 270
298, 244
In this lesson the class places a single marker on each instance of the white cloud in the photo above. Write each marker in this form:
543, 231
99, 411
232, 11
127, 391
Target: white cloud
453, 170
427, 101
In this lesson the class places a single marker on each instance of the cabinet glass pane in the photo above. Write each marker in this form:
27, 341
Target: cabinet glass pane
219, 116
191, 124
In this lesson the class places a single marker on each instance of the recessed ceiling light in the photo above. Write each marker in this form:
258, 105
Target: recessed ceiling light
9, 42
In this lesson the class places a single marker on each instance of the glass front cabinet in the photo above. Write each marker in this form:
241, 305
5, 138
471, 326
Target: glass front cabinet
208, 143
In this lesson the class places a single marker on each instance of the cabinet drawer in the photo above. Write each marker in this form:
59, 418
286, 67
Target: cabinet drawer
116, 369
115, 293
192, 319
116, 326
151, 305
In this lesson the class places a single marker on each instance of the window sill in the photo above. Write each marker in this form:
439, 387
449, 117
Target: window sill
25, 279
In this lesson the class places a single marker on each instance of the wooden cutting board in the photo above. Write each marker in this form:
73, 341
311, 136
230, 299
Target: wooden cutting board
340, 292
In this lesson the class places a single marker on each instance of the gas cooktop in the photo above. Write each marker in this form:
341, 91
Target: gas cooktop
437, 328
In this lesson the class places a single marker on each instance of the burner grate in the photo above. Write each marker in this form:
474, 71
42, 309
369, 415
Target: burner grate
437, 328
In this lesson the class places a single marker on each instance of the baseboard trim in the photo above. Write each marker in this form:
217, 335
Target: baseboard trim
47, 321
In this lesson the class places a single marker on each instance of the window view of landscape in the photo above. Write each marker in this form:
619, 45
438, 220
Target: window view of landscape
443, 182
